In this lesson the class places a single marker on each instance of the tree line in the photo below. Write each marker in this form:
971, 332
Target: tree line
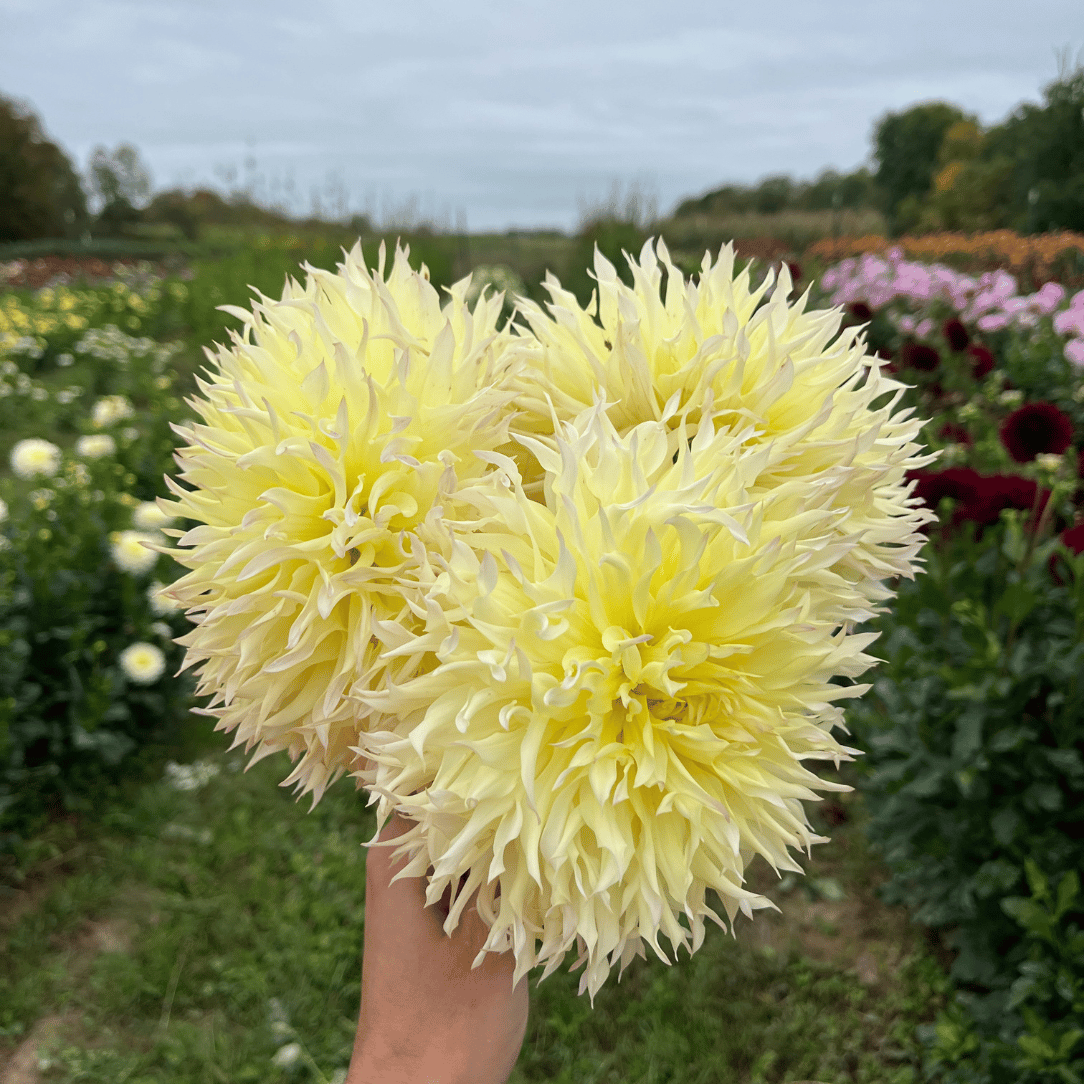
934, 167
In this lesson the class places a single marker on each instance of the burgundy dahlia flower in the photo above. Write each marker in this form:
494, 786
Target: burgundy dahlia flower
982, 360
1074, 540
920, 356
980, 499
956, 334
860, 311
1035, 428
955, 434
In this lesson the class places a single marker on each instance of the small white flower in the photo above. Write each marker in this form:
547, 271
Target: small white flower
279, 1019
148, 516
110, 409
33, 457
142, 663
64, 360
1011, 397
1048, 461
95, 446
130, 553
190, 776
160, 628
287, 1056
130, 433
3, 510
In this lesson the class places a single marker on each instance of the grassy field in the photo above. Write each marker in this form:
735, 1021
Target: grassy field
187, 935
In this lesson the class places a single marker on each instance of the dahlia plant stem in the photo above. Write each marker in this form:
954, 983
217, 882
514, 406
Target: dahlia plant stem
1034, 538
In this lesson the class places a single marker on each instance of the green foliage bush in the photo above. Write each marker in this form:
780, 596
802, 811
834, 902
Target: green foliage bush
974, 729
72, 714
70, 711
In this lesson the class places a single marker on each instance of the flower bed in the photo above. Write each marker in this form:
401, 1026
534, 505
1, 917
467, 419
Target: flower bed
974, 733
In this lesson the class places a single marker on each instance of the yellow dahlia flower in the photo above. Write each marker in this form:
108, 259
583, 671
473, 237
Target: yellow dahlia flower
346, 413
630, 676
752, 357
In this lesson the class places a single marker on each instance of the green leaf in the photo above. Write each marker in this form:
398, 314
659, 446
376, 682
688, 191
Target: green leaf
1017, 601
1068, 890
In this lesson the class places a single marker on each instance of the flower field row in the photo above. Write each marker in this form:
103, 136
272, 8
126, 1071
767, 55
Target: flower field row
1046, 257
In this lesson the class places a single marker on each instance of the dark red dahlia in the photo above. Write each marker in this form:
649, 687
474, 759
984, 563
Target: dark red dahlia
1074, 539
795, 270
955, 434
1035, 428
920, 356
982, 360
860, 311
956, 334
960, 483
979, 499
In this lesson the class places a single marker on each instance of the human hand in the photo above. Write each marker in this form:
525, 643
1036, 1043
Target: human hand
426, 1017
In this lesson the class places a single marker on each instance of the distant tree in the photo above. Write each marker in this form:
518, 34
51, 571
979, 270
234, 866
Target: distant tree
1043, 147
121, 185
40, 194
174, 207
831, 190
906, 147
773, 194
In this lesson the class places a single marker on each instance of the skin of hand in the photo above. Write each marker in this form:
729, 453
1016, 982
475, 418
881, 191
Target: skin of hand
426, 1017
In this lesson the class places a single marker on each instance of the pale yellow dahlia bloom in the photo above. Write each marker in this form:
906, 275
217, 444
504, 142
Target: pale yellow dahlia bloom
142, 663
134, 551
662, 353
631, 676
347, 412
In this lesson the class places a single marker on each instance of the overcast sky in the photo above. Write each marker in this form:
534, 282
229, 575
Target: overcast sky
510, 113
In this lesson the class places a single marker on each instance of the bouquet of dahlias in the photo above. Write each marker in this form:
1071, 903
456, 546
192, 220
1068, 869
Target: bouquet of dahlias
569, 595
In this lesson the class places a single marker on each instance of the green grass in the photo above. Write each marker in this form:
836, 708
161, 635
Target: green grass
170, 933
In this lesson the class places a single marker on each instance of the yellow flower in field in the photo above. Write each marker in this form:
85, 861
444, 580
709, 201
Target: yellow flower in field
347, 413
110, 409
627, 679
149, 517
34, 457
95, 446
752, 358
130, 552
142, 663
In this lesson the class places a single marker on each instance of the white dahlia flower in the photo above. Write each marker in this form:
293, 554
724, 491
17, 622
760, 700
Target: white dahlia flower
346, 413
757, 359
95, 446
142, 663
109, 410
130, 550
628, 680
33, 458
